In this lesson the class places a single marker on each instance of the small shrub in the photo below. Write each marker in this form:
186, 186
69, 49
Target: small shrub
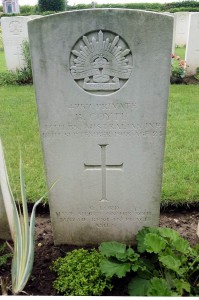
8, 78
178, 69
79, 274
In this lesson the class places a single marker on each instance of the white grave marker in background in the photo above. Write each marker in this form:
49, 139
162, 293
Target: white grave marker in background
192, 50
14, 32
181, 28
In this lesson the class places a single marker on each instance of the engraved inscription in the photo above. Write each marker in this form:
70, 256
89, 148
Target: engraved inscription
108, 216
102, 120
101, 62
15, 27
103, 167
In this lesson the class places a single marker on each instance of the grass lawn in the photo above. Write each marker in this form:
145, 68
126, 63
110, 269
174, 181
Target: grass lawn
19, 131
3, 67
181, 168
180, 51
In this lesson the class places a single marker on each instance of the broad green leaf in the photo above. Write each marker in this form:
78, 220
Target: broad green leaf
159, 287
141, 235
169, 233
113, 249
182, 286
171, 262
181, 245
110, 268
138, 287
154, 243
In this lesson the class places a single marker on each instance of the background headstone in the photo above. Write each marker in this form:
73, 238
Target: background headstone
181, 28
4, 228
192, 50
11, 6
102, 80
14, 32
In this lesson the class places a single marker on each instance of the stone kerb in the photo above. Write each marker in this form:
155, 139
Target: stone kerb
14, 32
192, 50
102, 79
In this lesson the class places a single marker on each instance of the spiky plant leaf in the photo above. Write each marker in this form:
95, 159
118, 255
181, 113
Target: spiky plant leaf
22, 233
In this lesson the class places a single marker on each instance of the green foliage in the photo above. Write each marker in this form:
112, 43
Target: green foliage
163, 264
51, 5
27, 9
22, 230
197, 74
4, 256
79, 274
1, 40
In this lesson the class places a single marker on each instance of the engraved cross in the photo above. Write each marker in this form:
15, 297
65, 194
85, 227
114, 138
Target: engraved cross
103, 167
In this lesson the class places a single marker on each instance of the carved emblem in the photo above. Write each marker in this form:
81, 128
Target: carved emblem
101, 63
15, 27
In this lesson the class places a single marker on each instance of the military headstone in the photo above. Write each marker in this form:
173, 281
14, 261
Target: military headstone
14, 32
181, 28
192, 50
102, 80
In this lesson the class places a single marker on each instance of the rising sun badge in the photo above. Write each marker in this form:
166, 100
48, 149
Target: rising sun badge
101, 62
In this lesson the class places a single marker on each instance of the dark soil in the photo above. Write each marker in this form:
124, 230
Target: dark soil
40, 282
185, 80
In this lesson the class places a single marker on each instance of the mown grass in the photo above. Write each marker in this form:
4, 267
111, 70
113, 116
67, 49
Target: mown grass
19, 131
3, 67
180, 51
181, 167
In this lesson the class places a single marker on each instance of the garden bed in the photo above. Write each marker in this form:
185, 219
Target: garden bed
40, 282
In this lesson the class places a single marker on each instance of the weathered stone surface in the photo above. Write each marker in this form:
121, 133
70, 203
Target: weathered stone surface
181, 28
192, 50
102, 80
14, 32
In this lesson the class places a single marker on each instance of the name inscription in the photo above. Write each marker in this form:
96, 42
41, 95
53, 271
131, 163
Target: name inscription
102, 120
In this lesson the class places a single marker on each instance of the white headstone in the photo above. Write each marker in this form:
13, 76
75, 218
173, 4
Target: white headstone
192, 50
14, 32
11, 6
181, 28
4, 228
102, 80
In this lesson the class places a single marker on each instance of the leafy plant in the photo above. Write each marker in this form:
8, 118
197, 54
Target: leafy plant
4, 256
164, 264
178, 69
22, 233
197, 74
79, 274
